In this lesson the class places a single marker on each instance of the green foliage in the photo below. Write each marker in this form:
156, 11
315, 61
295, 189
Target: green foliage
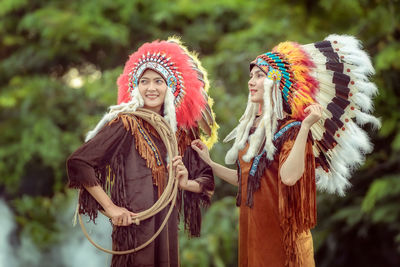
59, 61
219, 236
379, 190
38, 218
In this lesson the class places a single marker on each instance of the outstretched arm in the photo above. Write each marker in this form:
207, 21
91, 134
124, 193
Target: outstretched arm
229, 175
293, 168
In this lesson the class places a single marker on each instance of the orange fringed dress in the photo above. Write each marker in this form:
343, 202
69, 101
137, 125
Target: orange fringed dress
275, 231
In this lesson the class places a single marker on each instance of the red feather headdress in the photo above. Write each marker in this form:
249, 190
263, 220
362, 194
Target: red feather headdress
185, 77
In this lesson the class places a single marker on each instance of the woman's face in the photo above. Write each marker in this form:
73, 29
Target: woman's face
256, 85
152, 88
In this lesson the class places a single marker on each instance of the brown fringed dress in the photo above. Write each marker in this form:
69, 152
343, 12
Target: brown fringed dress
127, 158
275, 219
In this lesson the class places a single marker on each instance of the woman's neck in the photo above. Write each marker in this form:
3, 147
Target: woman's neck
260, 109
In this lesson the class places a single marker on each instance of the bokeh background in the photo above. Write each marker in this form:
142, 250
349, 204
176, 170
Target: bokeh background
59, 61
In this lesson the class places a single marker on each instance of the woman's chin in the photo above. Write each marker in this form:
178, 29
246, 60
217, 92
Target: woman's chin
255, 99
155, 108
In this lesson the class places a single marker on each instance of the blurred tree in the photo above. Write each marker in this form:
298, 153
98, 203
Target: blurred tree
59, 61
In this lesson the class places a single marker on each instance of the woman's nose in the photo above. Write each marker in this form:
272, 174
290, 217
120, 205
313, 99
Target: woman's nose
250, 82
152, 86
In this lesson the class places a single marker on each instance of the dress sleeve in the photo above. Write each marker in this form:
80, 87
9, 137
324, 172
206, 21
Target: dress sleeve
82, 164
200, 172
297, 203
87, 165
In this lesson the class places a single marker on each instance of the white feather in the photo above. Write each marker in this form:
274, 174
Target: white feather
363, 101
363, 118
366, 88
359, 137
231, 135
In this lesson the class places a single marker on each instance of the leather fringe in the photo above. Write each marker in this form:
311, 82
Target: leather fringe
239, 193
192, 202
185, 139
254, 181
124, 238
297, 209
146, 148
88, 205
297, 203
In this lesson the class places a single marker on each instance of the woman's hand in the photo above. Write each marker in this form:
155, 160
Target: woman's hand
314, 114
181, 173
202, 150
119, 216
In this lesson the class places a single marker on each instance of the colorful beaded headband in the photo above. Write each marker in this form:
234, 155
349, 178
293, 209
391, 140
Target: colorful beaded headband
289, 66
163, 65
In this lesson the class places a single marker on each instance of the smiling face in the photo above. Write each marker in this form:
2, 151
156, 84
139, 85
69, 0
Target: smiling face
152, 88
256, 85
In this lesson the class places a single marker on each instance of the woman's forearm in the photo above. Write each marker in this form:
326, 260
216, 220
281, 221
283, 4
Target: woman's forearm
119, 216
293, 168
101, 197
226, 174
192, 186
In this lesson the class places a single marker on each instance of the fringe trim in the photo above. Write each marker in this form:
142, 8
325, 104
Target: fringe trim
184, 140
297, 203
144, 144
297, 209
192, 202
124, 238
116, 169
239, 193
254, 181
88, 205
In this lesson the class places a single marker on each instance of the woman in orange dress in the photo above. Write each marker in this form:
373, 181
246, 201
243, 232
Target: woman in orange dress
297, 132
276, 188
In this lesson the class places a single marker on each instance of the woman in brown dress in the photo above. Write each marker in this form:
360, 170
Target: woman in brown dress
121, 169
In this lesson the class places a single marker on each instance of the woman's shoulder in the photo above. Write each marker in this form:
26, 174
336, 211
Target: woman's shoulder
288, 125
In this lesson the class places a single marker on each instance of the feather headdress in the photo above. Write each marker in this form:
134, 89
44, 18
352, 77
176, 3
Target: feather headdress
334, 73
186, 105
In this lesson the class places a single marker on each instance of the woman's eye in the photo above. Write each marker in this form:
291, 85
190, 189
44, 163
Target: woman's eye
160, 81
143, 81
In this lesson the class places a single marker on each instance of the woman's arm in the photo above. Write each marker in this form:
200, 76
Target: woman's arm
81, 170
182, 175
118, 215
226, 174
293, 167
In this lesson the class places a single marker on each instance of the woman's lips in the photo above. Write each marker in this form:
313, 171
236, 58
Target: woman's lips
152, 96
252, 91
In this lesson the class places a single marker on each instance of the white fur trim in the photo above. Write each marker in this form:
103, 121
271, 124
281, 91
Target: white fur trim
264, 131
136, 102
169, 109
277, 99
242, 132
